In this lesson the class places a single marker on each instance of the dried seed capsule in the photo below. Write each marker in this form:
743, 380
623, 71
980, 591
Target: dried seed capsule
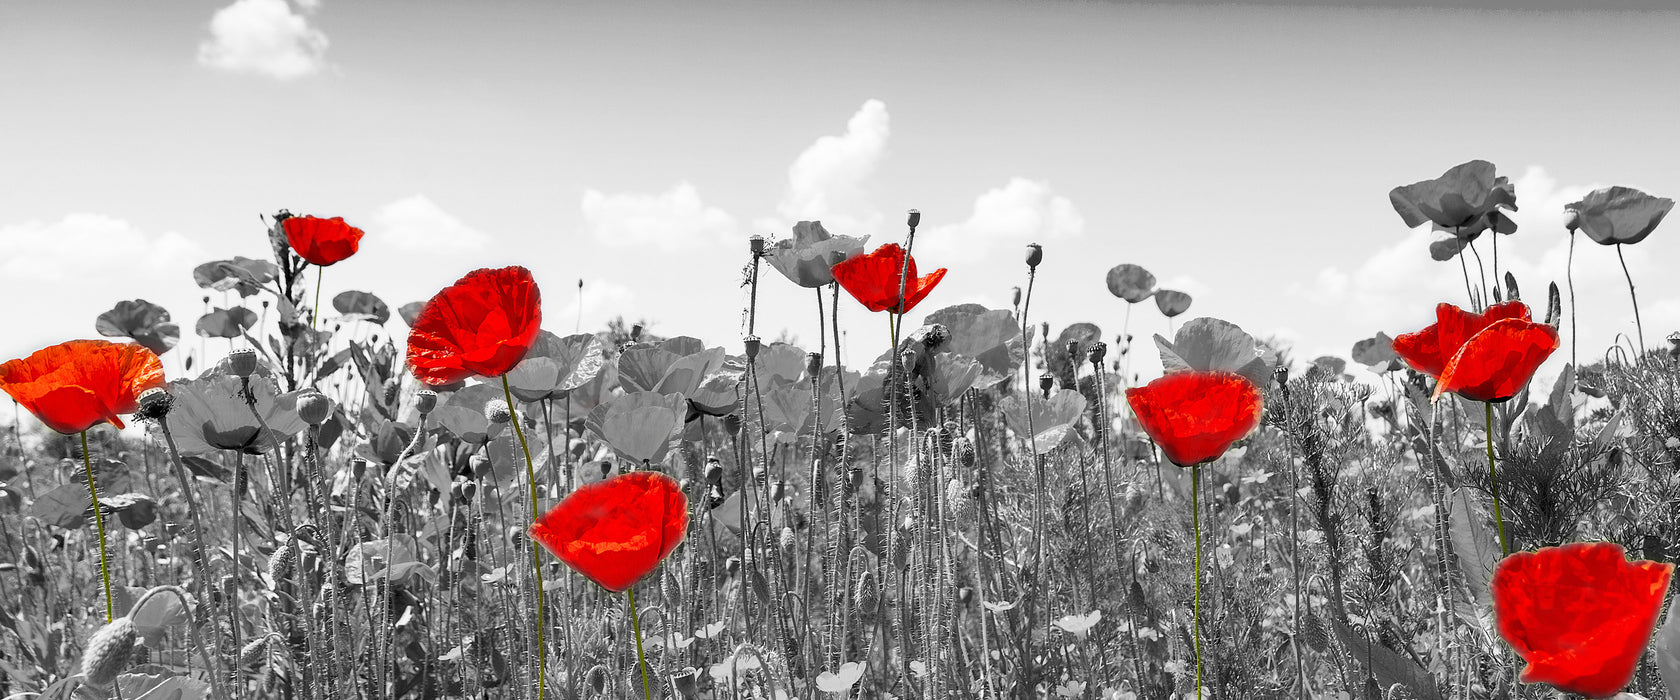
314, 407
107, 653
755, 244
752, 344
155, 403
813, 364
1096, 353
425, 400
242, 362
1035, 254
914, 218
1046, 382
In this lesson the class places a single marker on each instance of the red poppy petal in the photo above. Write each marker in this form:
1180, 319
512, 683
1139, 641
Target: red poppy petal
483, 324
1498, 362
922, 288
616, 531
1580, 614
1196, 416
1421, 350
74, 385
321, 241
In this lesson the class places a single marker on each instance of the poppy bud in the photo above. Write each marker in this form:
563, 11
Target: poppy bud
756, 245
1096, 352
242, 362
813, 364
1281, 374
732, 423
280, 565
636, 332
425, 400
468, 491
358, 468
314, 407
915, 218
254, 652
964, 452
155, 403
778, 491
1073, 351
107, 652
1045, 383
1571, 220
685, 682
1044, 330
751, 342
1015, 297
714, 471
1035, 254
497, 412
1511, 287
786, 539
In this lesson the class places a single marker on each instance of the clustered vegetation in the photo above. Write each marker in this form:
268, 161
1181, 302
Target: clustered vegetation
976, 512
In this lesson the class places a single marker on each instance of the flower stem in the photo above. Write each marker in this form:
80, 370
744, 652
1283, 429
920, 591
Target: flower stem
99, 522
1637, 323
536, 562
641, 661
1196, 609
1493, 476
1569, 275
315, 311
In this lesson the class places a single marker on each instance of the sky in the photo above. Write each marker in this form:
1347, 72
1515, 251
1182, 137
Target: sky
1242, 153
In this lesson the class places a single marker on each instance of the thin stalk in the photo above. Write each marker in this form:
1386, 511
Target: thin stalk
641, 661
1637, 323
1574, 330
1481, 270
1038, 494
1196, 609
315, 311
536, 562
200, 561
1493, 476
1465, 268
99, 521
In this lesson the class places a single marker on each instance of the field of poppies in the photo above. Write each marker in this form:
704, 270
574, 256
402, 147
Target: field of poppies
462, 504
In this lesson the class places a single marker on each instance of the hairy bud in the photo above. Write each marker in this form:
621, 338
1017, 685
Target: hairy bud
155, 403
497, 412
107, 652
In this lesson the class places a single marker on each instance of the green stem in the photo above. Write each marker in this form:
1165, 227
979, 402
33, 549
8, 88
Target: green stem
99, 522
315, 311
1196, 610
536, 562
641, 661
1493, 476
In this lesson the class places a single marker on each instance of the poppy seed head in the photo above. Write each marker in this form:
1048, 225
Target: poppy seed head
1046, 382
915, 218
497, 412
752, 344
155, 403
242, 362
813, 364
1035, 254
425, 400
1096, 353
314, 408
756, 245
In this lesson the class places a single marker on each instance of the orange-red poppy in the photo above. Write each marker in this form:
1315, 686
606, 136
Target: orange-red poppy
1195, 416
483, 324
873, 279
1579, 614
1482, 357
616, 531
75, 385
322, 241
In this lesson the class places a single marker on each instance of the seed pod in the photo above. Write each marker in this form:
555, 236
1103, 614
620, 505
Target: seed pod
732, 423
497, 412
914, 219
756, 245
686, 683
1015, 297
254, 652
107, 652
1035, 254
242, 362
314, 407
425, 400
1096, 353
714, 471
155, 403
751, 343
813, 364
280, 565
1046, 382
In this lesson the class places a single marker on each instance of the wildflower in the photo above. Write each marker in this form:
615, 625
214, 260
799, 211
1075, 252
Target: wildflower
616, 531
210, 413
321, 241
1482, 357
874, 279
1465, 200
146, 323
107, 653
1615, 215
483, 324
808, 257
1195, 416
75, 385
1579, 614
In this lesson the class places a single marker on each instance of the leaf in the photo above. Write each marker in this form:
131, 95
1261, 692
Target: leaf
160, 612
1668, 652
65, 506
1475, 544
1130, 282
226, 323
1387, 665
362, 305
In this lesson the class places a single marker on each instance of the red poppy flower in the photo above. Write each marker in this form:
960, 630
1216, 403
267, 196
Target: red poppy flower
73, 386
1195, 416
1482, 357
873, 279
322, 241
482, 325
616, 531
1579, 614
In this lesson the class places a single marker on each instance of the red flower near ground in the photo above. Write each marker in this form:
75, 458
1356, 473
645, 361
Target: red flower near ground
873, 279
73, 386
1482, 357
322, 241
616, 531
1579, 614
1195, 416
482, 325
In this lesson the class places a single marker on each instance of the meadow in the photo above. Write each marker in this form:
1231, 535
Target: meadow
335, 498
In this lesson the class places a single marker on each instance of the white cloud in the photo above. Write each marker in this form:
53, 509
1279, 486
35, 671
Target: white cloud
418, 225
602, 300
1022, 211
826, 182
265, 37
675, 220
84, 246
